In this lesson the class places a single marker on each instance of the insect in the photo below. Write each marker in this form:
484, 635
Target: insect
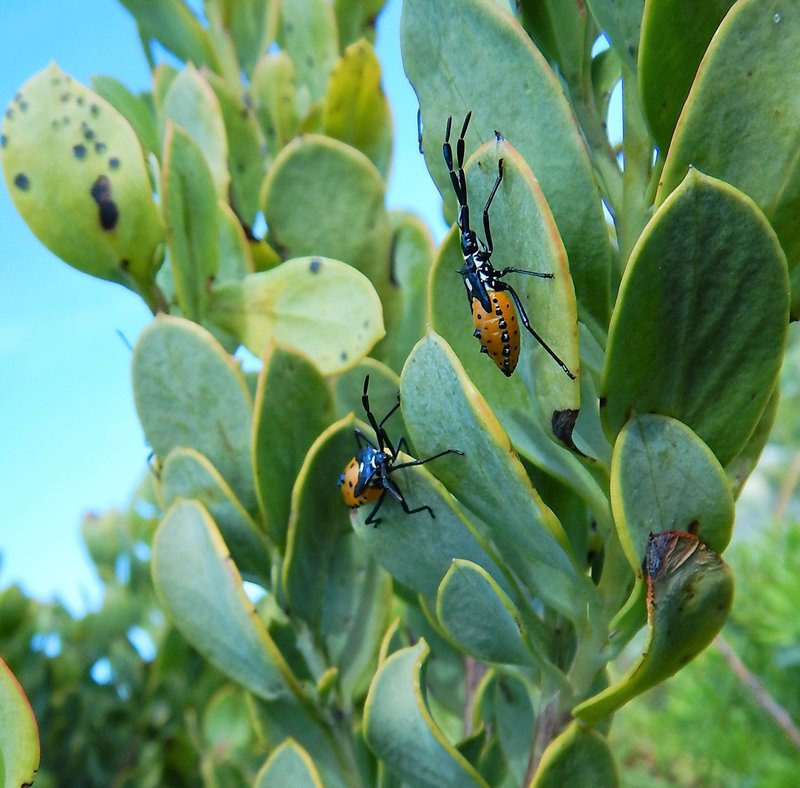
367, 476
494, 303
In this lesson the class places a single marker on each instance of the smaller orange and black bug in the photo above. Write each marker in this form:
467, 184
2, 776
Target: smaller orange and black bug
493, 311
366, 477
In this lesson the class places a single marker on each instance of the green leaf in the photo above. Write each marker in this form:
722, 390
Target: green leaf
292, 407
253, 26
235, 252
201, 592
399, 729
190, 214
246, 149
578, 756
308, 35
188, 474
321, 307
690, 590
274, 93
191, 104
525, 236
664, 478
442, 408
227, 727
172, 24
418, 549
514, 721
342, 197
674, 39
699, 328
291, 765
478, 615
384, 388
620, 20
190, 393
75, 171
19, 734
136, 110
533, 115
405, 303
741, 121
356, 108
356, 19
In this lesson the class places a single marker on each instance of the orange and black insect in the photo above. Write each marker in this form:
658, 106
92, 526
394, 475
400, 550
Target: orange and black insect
494, 303
367, 476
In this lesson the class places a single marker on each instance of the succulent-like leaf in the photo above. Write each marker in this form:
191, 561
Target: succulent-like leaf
356, 108
188, 474
189, 206
525, 236
321, 307
75, 171
253, 26
282, 434
674, 39
171, 23
577, 756
741, 121
699, 329
690, 590
399, 729
443, 409
291, 765
189, 393
478, 615
664, 478
308, 35
19, 734
468, 63
201, 592
356, 19
514, 721
227, 726
192, 104
342, 194
740, 468
274, 93
620, 20
136, 110
235, 252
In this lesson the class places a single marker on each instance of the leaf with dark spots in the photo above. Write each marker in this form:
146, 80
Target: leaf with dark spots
563, 423
108, 211
79, 151
315, 265
21, 181
113, 162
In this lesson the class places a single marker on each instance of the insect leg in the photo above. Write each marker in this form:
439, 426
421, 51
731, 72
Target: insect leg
524, 317
395, 491
540, 274
371, 516
427, 459
486, 229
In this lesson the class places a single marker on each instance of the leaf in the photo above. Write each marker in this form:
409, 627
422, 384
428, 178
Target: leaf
201, 592
235, 253
75, 171
442, 408
525, 236
451, 74
292, 408
253, 26
19, 734
478, 615
136, 110
172, 24
620, 20
514, 721
577, 756
673, 42
664, 478
740, 468
356, 19
190, 215
399, 729
690, 590
342, 195
191, 104
308, 35
356, 108
741, 121
189, 393
274, 93
699, 329
406, 304
319, 306
291, 765
188, 474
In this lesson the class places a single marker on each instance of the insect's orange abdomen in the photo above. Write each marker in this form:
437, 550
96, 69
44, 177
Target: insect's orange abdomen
349, 479
498, 332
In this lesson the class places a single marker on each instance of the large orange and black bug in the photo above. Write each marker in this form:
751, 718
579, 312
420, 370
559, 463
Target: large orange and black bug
494, 303
367, 476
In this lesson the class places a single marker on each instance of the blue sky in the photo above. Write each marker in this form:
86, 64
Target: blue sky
71, 439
